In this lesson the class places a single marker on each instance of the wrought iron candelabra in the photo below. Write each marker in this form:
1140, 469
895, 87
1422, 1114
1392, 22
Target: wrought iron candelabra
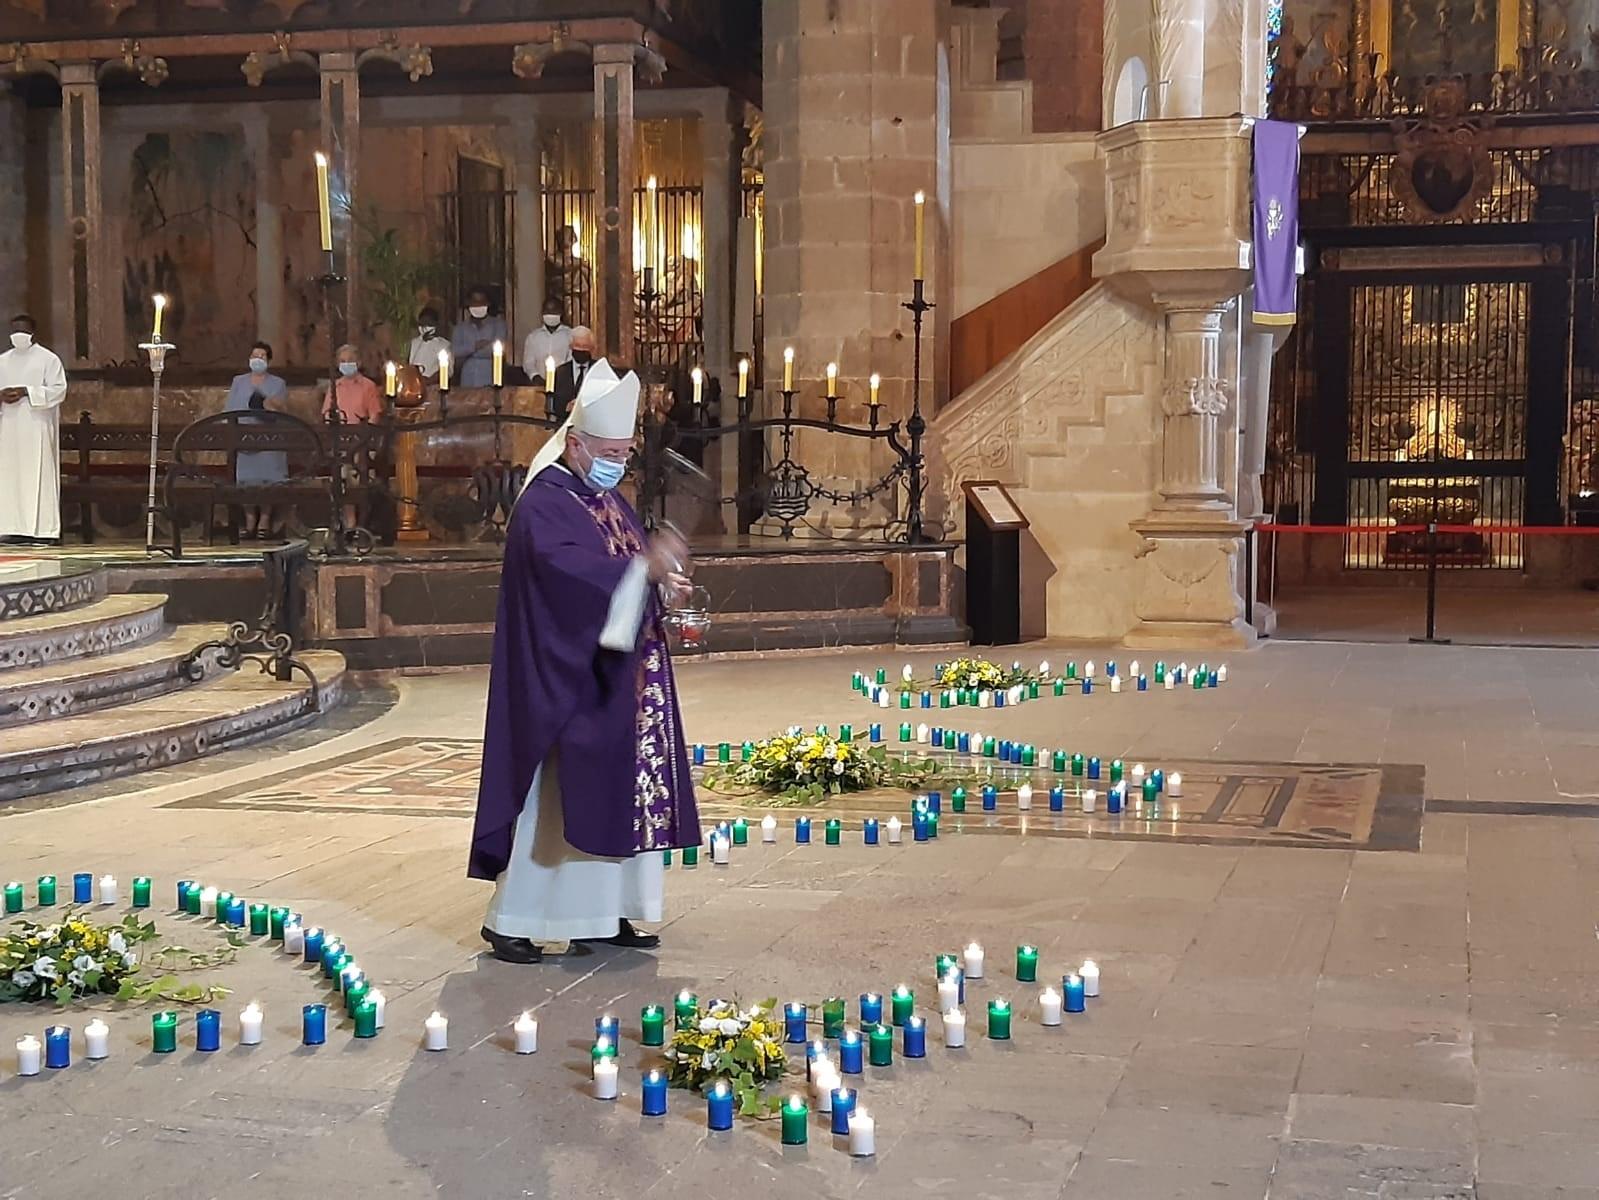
916, 427
156, 348
343, 538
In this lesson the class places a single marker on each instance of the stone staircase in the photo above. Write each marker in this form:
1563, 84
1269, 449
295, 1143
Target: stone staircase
1067, 423
94, 685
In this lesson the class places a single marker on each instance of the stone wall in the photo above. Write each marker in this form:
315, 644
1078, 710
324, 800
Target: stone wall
13, 206
1020, 206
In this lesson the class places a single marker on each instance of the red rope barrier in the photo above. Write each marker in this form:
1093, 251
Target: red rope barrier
1524, 530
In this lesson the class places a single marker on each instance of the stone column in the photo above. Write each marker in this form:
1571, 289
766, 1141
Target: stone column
529, 226
341, 142
721, 137
84, 340
1178, 33
615, 167
258, 131
855, 118
13, 205
1194, 399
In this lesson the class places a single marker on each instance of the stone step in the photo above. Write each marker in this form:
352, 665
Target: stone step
72, 686
101, 627
32, 586
232, 709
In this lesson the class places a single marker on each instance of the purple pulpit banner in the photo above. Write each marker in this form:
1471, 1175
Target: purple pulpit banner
1276, 220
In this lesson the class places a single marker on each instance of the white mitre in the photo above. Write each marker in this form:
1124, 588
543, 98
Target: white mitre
606, 407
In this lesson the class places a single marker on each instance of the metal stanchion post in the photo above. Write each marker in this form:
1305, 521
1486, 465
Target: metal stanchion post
1432, 589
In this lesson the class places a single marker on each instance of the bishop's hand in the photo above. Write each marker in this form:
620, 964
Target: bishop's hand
667, 556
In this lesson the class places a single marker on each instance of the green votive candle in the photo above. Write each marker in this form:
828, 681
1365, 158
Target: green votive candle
223, 900
833, 831
880, 1046
1160, 672
741, 832
691, 856
1079, 766
957, 800
943, 963
603, 1048
356, 993
652, 1020
47, 890
1071, 670
1027, 964
1116, 770
1060, 687
902, 1004
833, 1016
1057, 762
746, 751
846, 734
882, 675
366, 1019
904, 699
260, 919
164, 1032
276, 919
932, 824
686, 1007
141, 892
666, 857
990, 748
724, 752
796, 1121
999, 1020
13, 897
905, 733
192, 905
1032, 690
1151, 792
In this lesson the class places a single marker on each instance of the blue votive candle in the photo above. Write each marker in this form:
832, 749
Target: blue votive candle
1073, 985
869, 831
965, 743
313, 945
1110, 670
876, 734
1088, 687
990, 798
208, 1030
1093, 768
608, 1027
699, 754
919, 827
794, 1022
83, 888
871, 1008
183, 894
236, 912
315, 1023
850, 1053
915, 1037
1158, 778
927, 699
653, 1103
802, 831
58, 1047
719, 1106
843, 1109
1113, 799
935, 801
1057, 799
1143, 683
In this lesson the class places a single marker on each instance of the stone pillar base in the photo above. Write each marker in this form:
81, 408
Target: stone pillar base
1188, 589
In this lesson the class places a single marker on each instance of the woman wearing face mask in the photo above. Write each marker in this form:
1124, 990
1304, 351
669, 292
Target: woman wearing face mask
254, 391
472, 342
552, 340
427, 343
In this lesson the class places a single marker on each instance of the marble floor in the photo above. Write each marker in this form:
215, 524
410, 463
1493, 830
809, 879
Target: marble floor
1283, 1021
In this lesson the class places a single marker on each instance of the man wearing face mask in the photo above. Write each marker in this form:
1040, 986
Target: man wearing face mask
570, 375
553, 339
427, 344
472, 342
585, 775
32, 386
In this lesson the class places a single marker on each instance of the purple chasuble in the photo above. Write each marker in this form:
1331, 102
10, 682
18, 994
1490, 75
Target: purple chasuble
613, 716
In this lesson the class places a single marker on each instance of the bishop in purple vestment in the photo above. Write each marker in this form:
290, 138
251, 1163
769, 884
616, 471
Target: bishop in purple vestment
585, 775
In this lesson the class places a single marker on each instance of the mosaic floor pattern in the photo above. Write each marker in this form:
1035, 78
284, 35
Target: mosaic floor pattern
1349, 806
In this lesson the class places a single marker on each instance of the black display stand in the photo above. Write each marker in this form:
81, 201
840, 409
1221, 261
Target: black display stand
993, 564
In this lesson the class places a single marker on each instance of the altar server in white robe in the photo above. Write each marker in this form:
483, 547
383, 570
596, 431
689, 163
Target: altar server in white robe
32, 385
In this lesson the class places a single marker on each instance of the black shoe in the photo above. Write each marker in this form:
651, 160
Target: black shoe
511, 950
628, 937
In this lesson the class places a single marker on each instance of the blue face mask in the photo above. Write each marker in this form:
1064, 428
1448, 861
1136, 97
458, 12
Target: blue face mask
348, 369
604, 474
258, 365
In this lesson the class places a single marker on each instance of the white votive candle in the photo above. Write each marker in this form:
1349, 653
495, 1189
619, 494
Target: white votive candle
923, 734
1043, 669
768, 828
1049, 1003
985, 698
108, 889
822, 1084
1174, 785
250, 1022
1090, 798
293, 938
1132, 669
954, 1028
1138, 776
974, 961
862, 1134
97, 1039
605, 1079
721, 851
949, 993
1171, 681
436, 1033
526, 1030
380, 1002
895, 826
1090, 973
29, 1055
882, 699
1024, 797
906, 673
1088, 669
208, 902
1115, 683
1221, 673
